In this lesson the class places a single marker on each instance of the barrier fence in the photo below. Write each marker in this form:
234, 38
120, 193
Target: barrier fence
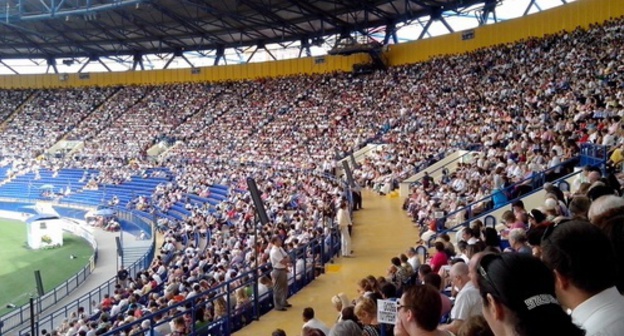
321, 249
310, 260
21, 315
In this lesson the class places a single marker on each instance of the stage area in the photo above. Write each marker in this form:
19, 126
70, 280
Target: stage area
18, 263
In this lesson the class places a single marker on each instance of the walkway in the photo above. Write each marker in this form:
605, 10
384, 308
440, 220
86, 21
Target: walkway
105, 269
381, 231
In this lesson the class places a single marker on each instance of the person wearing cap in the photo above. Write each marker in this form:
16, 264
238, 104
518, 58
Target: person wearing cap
518, 294
596, 304
280, 262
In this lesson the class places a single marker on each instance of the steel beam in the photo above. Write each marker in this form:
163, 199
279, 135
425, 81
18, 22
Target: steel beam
54, 9
9, 67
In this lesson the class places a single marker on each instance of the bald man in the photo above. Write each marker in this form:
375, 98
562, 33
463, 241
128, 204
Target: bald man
468, 301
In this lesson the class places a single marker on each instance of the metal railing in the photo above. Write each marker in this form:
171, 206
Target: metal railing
21, 315
310, 260
490, 211
534, 182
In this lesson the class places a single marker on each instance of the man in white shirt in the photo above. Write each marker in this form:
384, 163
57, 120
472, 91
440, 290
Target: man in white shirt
312, 323
343, 217
468, 301
280, 262
584, 263
413, 259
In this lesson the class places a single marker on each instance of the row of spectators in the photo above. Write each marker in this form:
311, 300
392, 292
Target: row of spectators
543, 283
529, 104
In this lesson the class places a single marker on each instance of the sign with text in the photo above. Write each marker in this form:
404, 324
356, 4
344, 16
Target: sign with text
386, 311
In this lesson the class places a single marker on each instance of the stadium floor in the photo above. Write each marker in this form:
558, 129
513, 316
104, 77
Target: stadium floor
381, 231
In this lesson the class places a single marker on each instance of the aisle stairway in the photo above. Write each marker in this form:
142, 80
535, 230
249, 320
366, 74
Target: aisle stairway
381, 231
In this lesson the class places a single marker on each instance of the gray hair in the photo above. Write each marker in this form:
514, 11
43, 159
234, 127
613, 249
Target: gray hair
517, 235
604, 204
345, 328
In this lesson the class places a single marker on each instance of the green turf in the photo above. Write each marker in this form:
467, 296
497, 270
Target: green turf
18, 263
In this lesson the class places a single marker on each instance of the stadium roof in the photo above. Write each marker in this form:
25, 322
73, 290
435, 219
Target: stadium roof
52, 29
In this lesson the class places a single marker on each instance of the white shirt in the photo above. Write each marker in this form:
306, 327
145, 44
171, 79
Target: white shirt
277, 254
316, 324
602, 314
468, 303
415, 262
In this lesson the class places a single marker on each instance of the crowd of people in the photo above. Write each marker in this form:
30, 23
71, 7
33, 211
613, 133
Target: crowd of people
528, 105
542, 283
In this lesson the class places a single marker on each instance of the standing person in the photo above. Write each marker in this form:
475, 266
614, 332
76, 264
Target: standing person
356, 192
122, 277
280, 262
344, 223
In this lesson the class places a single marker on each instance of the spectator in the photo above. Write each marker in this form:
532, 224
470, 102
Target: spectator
575, 250
440, 258
518, 294
468, 302
310, 322
607, 213
475, 326
418, 312
345, 328
518, 242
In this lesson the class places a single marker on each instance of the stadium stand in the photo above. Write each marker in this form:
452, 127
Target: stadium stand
530, 106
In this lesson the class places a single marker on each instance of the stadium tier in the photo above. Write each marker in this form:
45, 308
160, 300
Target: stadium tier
534, 129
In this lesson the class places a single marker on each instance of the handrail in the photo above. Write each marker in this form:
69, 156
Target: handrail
536, 179
96, 294
467, 221
229, 323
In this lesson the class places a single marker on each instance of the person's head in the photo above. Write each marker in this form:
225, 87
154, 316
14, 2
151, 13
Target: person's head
396, 261
517, 238
475, 325
307, 331
345, 328
276, 240
403, 258
388, 291
509, 217
419, 309
340, 301
605, 207
579, 206
364, 286
518, 293
575, 251
459, 275
308, 314
439, 246
467, 234
278, 332
423, 270
348, 314
434, 280
366, 311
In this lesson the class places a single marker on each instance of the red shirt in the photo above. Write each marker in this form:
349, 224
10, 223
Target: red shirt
439, 259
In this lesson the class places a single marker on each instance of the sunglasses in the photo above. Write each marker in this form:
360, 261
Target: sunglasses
484, 263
